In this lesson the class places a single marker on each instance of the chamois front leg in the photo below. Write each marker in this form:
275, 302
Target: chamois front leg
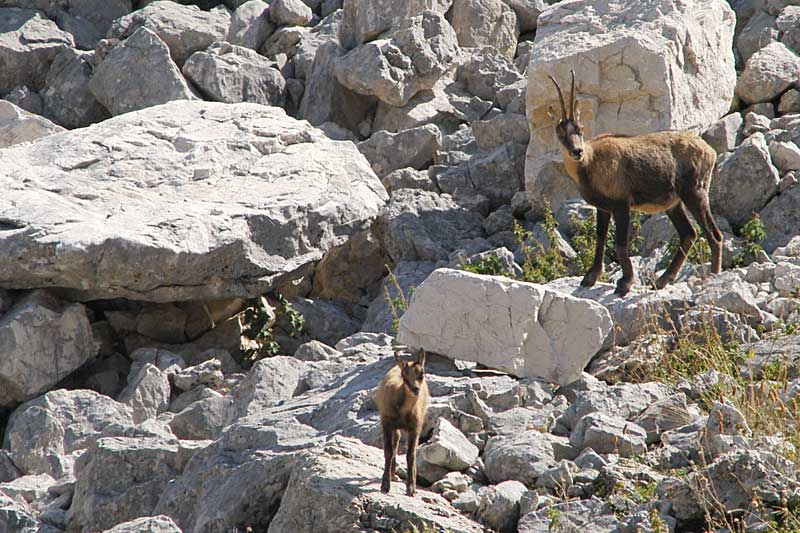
622, 218
411, 460
591, 277
389, 451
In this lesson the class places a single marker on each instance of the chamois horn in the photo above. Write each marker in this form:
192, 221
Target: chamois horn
572, 97
560, 98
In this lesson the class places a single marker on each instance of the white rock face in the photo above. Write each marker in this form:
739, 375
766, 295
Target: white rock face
641, 66
189, 200
521, 328
364, 20
42, 340
19, 126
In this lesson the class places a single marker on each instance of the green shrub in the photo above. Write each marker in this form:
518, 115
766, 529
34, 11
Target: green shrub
540, 265
754, 235
259, 318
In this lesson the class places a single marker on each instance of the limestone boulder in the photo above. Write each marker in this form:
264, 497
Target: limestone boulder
43, 340
768, 73
364, 20
147, 392
480, 23
120, 479
184, 28
781, 216
412, 148
19, 126
408, 59
290, 13
232, 74
225, 197
620, 52
43, 432
521, 328
321, 497
152, 524
29, 42
138, 73
250, 25
424, 226
66, 96
528, 12
522, 457
744, 182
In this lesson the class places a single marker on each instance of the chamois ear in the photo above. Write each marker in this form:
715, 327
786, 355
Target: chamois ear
552, 114
576, 112
421, 357
399, 360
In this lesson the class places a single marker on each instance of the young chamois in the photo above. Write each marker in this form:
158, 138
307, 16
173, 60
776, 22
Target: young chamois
403, 399
665, 171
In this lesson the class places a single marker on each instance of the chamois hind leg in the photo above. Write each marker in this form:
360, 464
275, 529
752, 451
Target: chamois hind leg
395, 445
687, 236
591, 277
622, 218
389, 450
411, 460
698, 206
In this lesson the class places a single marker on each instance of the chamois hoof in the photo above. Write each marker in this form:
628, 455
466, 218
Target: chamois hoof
385, 487
588, 281
410, 491
662, 282
623, 289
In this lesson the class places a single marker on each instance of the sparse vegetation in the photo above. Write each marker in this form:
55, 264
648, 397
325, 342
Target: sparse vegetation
258, 320
699, 254
491, 265
754, 235
540, 265
399, 303
585, 240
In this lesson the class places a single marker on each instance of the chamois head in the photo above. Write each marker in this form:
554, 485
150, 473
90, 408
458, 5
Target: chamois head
413, 372
569, 129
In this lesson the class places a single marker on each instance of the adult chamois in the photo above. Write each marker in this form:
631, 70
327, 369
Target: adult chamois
664, 171
402, 399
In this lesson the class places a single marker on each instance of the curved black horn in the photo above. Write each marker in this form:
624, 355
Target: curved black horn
572, 97
560, 97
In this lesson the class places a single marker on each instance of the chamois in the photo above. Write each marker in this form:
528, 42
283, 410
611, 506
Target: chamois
403, 399
664, 171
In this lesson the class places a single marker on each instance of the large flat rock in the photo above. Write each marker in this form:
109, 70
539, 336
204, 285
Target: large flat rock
525, 329
187, 200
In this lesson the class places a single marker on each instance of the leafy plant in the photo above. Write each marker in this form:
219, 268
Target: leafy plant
540, 265
754, 235
554, 517
259, 319
491, 265
585, 240
397, 304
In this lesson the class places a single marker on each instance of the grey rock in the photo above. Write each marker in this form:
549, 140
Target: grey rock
119, 80
268, 383
26, 99
208, 373
548, 186
558, 478
203, 419
41, 432
499, 505
364, 20
408, 59
758, 33
326, 321
184, 400
250, 25
18, 126
290, 13
785, 155
501, 129
211, 242
152, 524
319, 498
120, 479
232, 74
790, 102
43, 340
29, 42
448, 448
728, 291
523, 457
66, 96
325, 100
781, 216
725, 134
184, 29
28, 488
16, 515
589, 516
310, 41
412, 148
769, 72
480, 23
8, 470
315, 351
408, 178
528, 12
755, 123
147, 392
380, 316
423, 226
486, 71
734, 193
607, 434
664, 415
497, 174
